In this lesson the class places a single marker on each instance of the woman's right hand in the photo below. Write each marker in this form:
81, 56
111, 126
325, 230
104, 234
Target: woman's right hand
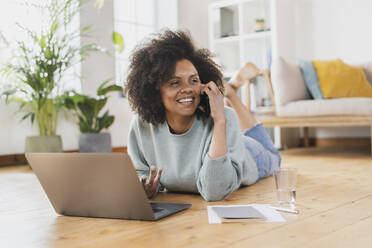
151, 184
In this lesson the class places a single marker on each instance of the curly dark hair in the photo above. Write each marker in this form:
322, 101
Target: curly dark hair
153, 64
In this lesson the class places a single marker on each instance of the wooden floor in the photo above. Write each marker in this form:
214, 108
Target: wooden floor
334, 196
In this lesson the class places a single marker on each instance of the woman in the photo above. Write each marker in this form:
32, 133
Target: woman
182, 126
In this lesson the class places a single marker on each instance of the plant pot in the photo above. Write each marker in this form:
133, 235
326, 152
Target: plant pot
50, 143
95, 142
260, 26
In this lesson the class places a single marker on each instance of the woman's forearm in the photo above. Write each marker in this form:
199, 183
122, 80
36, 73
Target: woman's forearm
218, 145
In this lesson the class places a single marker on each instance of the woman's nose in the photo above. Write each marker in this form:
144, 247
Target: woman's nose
187, 88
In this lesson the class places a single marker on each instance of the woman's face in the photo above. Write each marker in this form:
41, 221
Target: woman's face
181, 94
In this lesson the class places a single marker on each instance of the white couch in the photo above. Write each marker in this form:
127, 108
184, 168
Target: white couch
294, 106
293, 99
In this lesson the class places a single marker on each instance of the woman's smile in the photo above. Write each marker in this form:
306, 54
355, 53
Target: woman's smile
186, 102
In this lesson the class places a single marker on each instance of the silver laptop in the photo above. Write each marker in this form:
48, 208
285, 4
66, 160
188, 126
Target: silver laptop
102, 185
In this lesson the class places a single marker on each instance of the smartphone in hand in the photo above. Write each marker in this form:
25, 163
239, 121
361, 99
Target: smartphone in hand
204, 103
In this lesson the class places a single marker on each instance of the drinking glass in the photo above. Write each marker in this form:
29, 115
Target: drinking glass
285, 182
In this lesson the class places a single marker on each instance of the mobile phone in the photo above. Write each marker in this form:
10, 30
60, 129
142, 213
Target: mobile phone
204, 103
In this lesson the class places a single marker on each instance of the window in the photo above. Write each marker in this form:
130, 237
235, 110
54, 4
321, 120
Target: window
134, 20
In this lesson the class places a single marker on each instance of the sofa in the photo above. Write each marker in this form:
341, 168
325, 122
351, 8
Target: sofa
294, 106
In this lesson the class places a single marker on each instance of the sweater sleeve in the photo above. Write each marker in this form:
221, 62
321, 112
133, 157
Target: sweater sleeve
221, 176
136, 151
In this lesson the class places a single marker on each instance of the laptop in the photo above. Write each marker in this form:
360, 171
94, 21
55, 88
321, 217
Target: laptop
103, 185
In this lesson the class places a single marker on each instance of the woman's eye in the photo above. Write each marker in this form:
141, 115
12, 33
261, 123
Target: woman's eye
174, 83
195, 80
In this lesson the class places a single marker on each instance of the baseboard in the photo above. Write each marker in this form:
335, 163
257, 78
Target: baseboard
20, 159
337, 142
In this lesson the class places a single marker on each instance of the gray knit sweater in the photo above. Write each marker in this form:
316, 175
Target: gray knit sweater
184, 158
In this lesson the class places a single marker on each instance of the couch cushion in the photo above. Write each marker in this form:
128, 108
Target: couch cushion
337, 79
287, 81
368, 71
318, 107
311, 78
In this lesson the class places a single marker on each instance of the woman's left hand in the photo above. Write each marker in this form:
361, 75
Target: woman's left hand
216, 101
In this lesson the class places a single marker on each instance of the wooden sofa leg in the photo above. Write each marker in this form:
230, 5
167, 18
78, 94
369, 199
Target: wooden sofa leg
306, 137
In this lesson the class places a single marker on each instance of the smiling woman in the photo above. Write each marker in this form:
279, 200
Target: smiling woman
182, 126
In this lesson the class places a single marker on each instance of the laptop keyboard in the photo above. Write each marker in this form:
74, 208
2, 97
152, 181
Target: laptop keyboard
156, 210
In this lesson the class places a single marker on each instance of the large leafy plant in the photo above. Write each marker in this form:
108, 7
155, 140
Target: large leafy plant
37, 66
88, 108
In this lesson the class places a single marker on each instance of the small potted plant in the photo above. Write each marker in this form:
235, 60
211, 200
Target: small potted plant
260, 24
91, 122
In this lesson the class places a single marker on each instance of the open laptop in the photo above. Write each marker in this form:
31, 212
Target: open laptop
102, 185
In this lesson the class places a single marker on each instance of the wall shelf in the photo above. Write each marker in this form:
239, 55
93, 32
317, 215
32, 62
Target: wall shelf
247, 41
257, 35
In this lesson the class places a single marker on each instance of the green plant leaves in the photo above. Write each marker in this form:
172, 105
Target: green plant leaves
88, 108
108, 89
104, 122
42, 41
102, 90
99, 4
118, 40
54, 26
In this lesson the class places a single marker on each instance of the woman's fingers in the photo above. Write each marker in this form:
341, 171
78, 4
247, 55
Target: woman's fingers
157, 179
152, 174
212, 87
143, 180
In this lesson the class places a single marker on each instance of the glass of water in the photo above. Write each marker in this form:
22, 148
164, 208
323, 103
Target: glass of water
285, 182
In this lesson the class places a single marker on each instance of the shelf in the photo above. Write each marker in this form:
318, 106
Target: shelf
264, 110
258, 35
236, 38
227, 39
227, 3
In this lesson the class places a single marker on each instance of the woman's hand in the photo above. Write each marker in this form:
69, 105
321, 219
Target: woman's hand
218, 146
151, 184
216, 101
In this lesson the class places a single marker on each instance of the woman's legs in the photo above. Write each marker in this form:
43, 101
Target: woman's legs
259, 144
246, 119
245, 74
256, 139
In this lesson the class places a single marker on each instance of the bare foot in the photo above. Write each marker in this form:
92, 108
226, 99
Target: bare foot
230, 89
246, 73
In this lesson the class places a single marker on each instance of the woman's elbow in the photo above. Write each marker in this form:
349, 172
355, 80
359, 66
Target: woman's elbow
215, 194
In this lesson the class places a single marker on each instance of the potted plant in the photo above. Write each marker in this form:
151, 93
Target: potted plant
260, 24
36, 69
91, 122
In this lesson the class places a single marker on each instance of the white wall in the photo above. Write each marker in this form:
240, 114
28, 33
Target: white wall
329, 29
193, 15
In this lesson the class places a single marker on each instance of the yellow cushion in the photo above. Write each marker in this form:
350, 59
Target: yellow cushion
337, 79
